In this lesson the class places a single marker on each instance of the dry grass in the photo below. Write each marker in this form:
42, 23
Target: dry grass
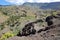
3, 18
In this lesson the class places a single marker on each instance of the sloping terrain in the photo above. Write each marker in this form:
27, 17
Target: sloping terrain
52, 5
52, 34
26, 21
47, 33
3, 18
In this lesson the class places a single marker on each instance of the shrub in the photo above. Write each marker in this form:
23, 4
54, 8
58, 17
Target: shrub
6, 35
1, 27
54, 13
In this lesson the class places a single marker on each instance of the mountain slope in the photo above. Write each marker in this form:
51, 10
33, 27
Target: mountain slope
53, 5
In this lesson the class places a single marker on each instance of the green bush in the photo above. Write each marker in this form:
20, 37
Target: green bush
1, 27
6, 35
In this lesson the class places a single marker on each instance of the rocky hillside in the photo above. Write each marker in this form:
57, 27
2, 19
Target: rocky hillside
26, 21
51, 32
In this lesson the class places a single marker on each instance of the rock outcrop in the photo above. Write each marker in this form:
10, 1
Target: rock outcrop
51, 32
